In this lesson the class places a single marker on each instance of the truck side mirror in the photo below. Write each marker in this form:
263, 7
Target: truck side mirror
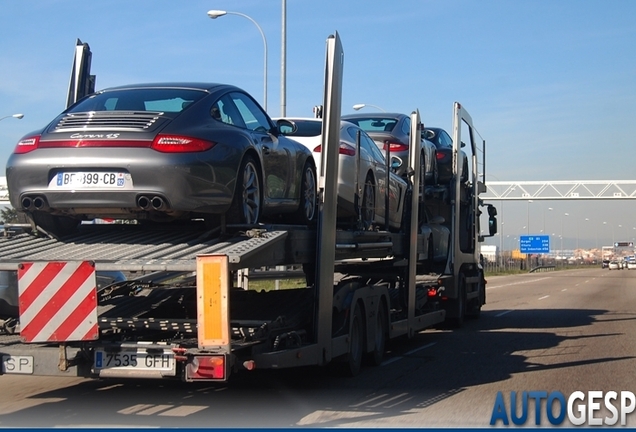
492, 225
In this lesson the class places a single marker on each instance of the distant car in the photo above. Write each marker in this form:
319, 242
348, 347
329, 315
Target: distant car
371, 175
162, 152
631, 265
614, 265
392, 131
444, 150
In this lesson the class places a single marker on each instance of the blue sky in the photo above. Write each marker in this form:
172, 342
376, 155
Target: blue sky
550, 85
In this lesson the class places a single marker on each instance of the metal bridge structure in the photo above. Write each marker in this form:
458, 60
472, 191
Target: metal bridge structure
560, 190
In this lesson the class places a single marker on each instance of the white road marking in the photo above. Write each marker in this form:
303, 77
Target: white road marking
544, 297
504, 313
394, 359
518, 283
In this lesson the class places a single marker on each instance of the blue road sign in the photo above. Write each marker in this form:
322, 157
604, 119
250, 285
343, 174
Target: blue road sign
534, 244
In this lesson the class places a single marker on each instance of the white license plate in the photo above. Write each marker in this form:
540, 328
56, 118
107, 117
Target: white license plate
17, 364
91, 180
135, 360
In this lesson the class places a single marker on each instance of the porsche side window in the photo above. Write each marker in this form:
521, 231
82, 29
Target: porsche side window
255, 119
225, 111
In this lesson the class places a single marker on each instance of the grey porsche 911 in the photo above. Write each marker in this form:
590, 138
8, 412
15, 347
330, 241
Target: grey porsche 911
163, 152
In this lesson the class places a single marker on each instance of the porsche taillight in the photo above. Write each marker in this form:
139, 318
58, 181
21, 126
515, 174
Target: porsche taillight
343, 149
26, 145
180, 144
395, 147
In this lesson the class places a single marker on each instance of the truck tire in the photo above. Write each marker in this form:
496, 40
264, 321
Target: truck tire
376, 356
474, 308
356, 343
458, 305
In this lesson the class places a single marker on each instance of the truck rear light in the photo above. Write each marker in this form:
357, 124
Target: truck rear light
395, 147
180, 144
26, 145
343, 149
206, 368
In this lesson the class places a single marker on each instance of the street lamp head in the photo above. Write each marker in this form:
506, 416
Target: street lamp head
214, 14
18, 116
358, 106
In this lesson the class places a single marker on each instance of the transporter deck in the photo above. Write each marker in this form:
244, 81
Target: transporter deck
129, 247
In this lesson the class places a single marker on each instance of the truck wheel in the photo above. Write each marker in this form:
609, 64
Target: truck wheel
356, 343
381, 329
459, 305
307, 207
246, 206
474, 308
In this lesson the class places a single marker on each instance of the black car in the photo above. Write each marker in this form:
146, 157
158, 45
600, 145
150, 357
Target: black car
162, 152
444, 144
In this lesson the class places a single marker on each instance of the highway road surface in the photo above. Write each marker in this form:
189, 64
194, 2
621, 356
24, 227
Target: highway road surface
562, 331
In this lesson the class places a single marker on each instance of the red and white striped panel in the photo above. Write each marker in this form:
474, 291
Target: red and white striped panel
58, 301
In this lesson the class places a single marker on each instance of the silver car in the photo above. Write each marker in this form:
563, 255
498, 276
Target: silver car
391, 131
162, 152
367, 201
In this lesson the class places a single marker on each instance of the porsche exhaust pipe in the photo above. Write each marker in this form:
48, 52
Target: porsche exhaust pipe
158, 203
27, 203
35, 202
39, 203
143, 202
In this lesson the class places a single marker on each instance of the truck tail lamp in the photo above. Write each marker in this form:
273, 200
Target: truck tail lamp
204, 367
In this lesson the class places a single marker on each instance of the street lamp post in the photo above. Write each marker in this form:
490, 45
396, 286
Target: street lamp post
360, 106
562, 217
549, 209
612, 226
529, 201
18, 116
283, 61
214, 14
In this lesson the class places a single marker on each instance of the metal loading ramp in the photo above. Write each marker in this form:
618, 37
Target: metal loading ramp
128, 247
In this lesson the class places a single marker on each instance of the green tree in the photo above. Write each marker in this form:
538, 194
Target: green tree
8, 215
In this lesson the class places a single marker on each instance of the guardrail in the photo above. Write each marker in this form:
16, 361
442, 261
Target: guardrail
542, 269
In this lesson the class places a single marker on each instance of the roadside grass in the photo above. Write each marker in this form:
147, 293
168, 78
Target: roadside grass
270, 285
